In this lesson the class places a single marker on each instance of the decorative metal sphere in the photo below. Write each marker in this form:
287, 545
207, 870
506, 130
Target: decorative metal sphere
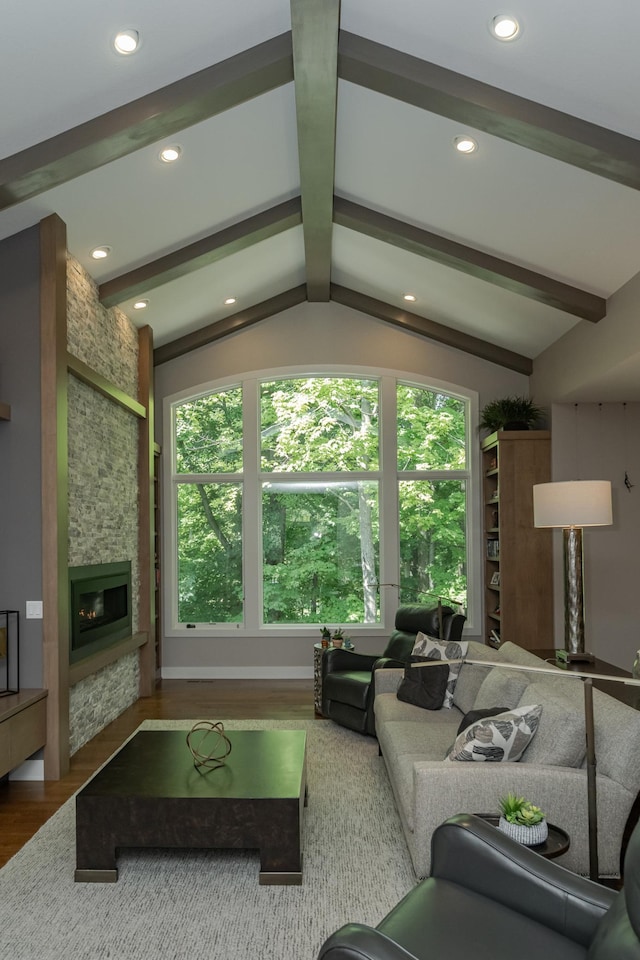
219, 750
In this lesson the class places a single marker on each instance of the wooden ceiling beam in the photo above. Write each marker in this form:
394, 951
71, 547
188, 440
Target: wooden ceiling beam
146, 120
201, 253
553, 133
469, 260
315, 28
432, 330
233, 324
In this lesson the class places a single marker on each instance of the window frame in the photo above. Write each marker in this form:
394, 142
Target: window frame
252, 479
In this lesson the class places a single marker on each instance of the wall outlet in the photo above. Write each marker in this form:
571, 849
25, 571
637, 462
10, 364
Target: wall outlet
34, 609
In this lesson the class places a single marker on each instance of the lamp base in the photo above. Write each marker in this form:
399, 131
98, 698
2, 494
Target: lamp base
565, 657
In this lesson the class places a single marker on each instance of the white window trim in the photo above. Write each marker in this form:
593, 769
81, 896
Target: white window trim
250, 628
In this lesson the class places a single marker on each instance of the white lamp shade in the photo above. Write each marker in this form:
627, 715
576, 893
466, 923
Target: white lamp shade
574, 503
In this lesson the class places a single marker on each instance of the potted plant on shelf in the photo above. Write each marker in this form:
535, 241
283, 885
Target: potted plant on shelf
509, 413
522, 820
326, 636
338, 637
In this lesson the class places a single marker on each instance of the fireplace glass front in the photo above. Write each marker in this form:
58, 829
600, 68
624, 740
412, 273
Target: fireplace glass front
100, 611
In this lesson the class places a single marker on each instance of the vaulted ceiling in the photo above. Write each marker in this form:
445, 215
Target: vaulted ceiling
318, 161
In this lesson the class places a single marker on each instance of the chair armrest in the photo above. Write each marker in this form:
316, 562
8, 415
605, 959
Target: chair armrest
471, 853
356, 941
339, 659
388, 663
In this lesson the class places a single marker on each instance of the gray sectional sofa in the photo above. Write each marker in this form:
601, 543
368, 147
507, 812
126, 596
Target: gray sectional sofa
551, 772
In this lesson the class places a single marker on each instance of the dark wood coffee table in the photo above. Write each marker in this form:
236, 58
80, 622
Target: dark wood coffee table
150, 794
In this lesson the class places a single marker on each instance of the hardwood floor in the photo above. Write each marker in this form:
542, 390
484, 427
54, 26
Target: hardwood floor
26, 805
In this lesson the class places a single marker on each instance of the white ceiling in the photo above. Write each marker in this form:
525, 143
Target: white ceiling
58, 70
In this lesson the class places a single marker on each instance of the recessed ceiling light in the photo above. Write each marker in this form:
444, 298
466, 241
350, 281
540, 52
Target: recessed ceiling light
505, 27
465, 144
126, 42
410, 297
171, 154
229, 301
100, 253
140, 304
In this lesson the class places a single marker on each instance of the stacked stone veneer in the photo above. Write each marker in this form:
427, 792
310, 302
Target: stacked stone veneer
103, 483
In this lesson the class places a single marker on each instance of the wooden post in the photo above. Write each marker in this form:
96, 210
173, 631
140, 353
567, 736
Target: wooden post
55, 554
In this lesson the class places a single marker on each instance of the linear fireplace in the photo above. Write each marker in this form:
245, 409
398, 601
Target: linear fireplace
100, 610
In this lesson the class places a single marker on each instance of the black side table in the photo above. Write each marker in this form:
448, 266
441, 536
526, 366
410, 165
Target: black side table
555, 845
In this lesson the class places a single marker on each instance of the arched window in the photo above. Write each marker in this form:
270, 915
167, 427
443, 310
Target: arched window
305, 500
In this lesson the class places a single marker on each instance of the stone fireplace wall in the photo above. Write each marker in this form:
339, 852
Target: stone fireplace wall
103, 483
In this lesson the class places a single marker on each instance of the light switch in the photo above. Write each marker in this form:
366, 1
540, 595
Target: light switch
34, 609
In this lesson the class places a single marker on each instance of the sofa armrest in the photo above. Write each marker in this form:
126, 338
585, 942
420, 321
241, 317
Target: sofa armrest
471, 853
442, 789
387, 681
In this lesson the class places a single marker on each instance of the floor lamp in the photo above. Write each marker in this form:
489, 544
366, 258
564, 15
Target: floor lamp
570, 506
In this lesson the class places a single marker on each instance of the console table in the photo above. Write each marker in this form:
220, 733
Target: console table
23, 727
628, 695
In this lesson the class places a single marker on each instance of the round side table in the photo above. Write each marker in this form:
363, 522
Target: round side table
555, 845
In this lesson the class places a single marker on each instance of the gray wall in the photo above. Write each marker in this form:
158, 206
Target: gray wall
315, 334
594, 361
20, 452
592, 441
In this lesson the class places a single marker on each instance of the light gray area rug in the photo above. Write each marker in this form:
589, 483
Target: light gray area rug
208, 905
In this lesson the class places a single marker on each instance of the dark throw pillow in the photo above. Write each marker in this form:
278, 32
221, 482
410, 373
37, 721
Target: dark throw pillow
424, 688
474, 715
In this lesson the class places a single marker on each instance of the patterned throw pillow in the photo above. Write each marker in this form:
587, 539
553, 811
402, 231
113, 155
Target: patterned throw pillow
498, 739
428, 648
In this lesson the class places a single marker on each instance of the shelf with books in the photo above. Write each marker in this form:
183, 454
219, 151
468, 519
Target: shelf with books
517, 562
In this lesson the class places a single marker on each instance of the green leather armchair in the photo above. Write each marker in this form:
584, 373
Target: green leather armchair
347, 676
490, 898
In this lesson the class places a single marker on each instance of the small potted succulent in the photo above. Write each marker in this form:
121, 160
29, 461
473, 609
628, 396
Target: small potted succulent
326, 636
522, 820
338, 637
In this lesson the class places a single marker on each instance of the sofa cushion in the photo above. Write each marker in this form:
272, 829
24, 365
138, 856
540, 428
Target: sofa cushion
387, 707
404, 744
560, 740
472, 675
430, 648
498, 739
502, 686
424, 687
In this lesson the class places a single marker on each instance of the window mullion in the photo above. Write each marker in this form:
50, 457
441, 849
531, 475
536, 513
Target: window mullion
252, 507
389, 538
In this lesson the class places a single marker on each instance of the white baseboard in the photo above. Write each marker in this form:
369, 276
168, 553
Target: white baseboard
29, 770
237, 673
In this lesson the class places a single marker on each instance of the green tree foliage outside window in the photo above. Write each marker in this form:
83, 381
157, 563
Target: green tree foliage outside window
320, 492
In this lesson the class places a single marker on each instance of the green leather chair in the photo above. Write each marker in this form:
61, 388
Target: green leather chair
490, 898
347, 676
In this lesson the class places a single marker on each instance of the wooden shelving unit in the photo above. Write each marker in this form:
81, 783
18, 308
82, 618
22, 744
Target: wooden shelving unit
518, 586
